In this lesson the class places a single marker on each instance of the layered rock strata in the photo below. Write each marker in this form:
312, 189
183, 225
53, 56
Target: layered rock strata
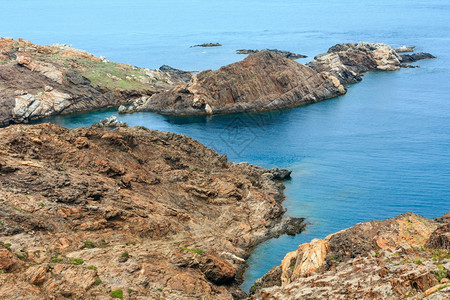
38, 81
266, 80
404, 257
90, 212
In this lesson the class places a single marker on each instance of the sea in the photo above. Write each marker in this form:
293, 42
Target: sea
380, 150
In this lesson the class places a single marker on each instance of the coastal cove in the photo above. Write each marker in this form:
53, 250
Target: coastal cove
354, 158
378, 151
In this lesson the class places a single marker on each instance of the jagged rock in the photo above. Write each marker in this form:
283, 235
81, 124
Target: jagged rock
403, 49
177, 74
96, 209
265, 81
286, 54
38, 81
110, 122
373, 260
409, 58
440, 238
262, 81
280, 174
208, 45
348, 61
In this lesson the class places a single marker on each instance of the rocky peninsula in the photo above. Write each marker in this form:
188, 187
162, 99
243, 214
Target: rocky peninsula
404, 257
91, 211
266, 80
38, 81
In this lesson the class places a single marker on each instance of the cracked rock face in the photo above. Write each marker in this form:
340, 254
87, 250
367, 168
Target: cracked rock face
262, 81
88, 211
406, 256
266, 80
79, 80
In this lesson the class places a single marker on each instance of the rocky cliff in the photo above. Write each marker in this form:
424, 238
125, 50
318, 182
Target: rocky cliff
96, 212
38, 81
404, 257
266, 80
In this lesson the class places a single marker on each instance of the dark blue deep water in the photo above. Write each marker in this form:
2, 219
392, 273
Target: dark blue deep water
380, 150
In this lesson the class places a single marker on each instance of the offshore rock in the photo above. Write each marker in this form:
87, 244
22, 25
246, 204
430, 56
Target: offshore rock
390, 259
110, 122
38, 81
403, 49
286, 54
408, 58
262, 81
266, 80
157, 215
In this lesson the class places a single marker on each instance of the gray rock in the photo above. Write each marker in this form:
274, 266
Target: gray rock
405, 49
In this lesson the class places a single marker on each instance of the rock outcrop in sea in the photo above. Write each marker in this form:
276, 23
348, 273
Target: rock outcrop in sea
38, 81
266, 81
283, 53
404, 257
151, 215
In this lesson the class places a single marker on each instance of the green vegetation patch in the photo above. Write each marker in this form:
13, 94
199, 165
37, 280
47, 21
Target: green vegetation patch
198, 251
89, 245
117, 294
76, 261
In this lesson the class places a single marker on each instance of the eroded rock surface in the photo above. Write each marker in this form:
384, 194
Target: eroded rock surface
262, 81
266, 80
88, 211
403, 257
38, 81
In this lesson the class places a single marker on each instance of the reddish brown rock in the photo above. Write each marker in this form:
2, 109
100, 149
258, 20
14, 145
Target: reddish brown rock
92, 210
38, 81
374, 260
262, 81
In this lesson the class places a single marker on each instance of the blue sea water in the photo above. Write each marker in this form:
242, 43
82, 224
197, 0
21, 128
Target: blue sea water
378, 151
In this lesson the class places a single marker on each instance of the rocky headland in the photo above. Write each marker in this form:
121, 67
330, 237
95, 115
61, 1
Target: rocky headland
404, 257
266, 80
38, 81
94, 212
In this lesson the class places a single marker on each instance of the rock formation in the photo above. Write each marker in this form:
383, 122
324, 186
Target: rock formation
38, 81
266, 80
93, 211
262, 81
407, 256
286, 54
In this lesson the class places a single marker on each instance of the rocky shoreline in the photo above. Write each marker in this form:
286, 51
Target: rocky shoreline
90, 211
404, 257
39, 81
266, 80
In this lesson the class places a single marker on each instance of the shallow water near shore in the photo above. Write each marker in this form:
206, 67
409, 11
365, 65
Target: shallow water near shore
380, 150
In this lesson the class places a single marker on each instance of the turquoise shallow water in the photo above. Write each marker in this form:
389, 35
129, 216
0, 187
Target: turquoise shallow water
380, 150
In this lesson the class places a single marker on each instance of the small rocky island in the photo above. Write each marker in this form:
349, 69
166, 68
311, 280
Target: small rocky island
40, 81
266, 80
